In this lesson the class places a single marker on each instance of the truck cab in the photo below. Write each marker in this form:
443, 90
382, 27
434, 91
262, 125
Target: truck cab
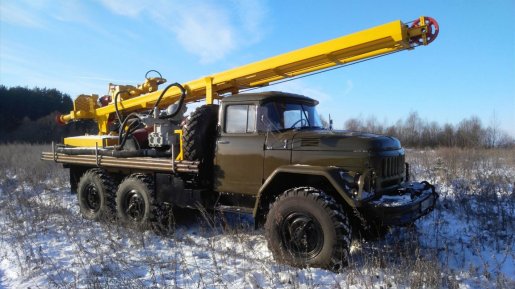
258, 130
272, 141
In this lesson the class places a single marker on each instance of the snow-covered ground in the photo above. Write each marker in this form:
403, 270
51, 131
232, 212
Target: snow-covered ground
467, 242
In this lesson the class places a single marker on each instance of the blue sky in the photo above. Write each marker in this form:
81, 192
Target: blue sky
80, 46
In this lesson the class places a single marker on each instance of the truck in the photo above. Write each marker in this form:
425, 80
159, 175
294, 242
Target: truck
264, 153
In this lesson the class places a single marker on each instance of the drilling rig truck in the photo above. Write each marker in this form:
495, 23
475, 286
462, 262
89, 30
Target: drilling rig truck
264, 153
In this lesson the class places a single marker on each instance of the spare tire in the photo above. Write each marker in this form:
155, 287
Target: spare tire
199, 136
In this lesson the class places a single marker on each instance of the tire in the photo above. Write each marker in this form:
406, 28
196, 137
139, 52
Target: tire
95, 194
135, 204
199, 134
321, 227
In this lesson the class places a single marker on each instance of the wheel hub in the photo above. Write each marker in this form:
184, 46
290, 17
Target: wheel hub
302, 235
92, 198
135, 206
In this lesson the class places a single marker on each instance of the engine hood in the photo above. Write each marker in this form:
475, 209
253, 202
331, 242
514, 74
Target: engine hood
349, 141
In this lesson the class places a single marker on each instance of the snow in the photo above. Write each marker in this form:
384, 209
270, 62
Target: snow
46, 243
393, 201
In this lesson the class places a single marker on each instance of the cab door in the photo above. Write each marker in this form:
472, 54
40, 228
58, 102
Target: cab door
239, 150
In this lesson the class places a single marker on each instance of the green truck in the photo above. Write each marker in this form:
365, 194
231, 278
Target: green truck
311, 188
267, 154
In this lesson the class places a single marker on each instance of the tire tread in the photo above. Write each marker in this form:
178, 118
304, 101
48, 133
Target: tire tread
339, 218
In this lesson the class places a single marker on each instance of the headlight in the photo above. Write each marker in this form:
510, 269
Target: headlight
355, 184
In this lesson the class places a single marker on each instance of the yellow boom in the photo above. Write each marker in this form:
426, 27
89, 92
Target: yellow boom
380, 40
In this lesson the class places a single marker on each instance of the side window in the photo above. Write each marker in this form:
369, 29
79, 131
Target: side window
240, 119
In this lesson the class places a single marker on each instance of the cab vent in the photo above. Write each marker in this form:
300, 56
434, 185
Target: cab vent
310, 142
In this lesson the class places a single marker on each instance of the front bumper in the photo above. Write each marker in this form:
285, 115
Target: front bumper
403, 206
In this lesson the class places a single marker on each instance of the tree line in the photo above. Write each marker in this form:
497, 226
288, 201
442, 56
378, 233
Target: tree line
415, 132
28, 115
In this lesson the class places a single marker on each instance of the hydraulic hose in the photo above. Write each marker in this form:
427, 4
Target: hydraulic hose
131, 129
122, 136
118, 115
181, 100
153, 70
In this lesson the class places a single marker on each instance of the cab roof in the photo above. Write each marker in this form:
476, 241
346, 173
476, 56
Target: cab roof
269, 96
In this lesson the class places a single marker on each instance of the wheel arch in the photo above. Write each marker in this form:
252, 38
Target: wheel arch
286, 177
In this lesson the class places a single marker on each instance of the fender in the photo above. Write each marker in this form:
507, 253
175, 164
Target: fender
288, 176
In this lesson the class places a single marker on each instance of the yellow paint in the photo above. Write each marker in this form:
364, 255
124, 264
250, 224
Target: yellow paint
91, 141
380, 40
180, 156
209, 90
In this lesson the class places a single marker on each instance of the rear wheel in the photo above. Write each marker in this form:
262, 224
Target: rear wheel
95, 193
307, 227
135, 200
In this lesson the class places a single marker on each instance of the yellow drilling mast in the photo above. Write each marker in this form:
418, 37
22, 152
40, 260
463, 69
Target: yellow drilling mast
380, 40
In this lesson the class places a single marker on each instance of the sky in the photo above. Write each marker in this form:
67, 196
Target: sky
79, 47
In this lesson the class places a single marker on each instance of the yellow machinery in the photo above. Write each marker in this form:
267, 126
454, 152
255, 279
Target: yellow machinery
380, 40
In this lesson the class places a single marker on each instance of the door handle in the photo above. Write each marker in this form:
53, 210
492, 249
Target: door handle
223, 142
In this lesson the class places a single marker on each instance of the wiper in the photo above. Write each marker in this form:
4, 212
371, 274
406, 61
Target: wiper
310, 127
286, 129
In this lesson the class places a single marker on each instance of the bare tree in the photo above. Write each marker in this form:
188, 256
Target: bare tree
470, 133
354, 124
447, 136
415, 132
493, 132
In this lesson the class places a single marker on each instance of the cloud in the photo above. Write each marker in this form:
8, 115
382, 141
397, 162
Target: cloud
251, 14
21, 15
38, 14
21, 66
130, 8
208, 29
348, 87
206, 32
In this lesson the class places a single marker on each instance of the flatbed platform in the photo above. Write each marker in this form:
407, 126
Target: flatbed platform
144, 163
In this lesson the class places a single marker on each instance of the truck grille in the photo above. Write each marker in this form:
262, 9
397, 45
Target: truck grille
392, 166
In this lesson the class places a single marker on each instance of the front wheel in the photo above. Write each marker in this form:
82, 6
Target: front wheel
307, 227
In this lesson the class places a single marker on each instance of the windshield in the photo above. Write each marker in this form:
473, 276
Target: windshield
277, 116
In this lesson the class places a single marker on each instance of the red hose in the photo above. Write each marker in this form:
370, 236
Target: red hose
59, 120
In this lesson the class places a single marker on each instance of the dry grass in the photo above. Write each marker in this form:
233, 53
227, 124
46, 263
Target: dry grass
49, 244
